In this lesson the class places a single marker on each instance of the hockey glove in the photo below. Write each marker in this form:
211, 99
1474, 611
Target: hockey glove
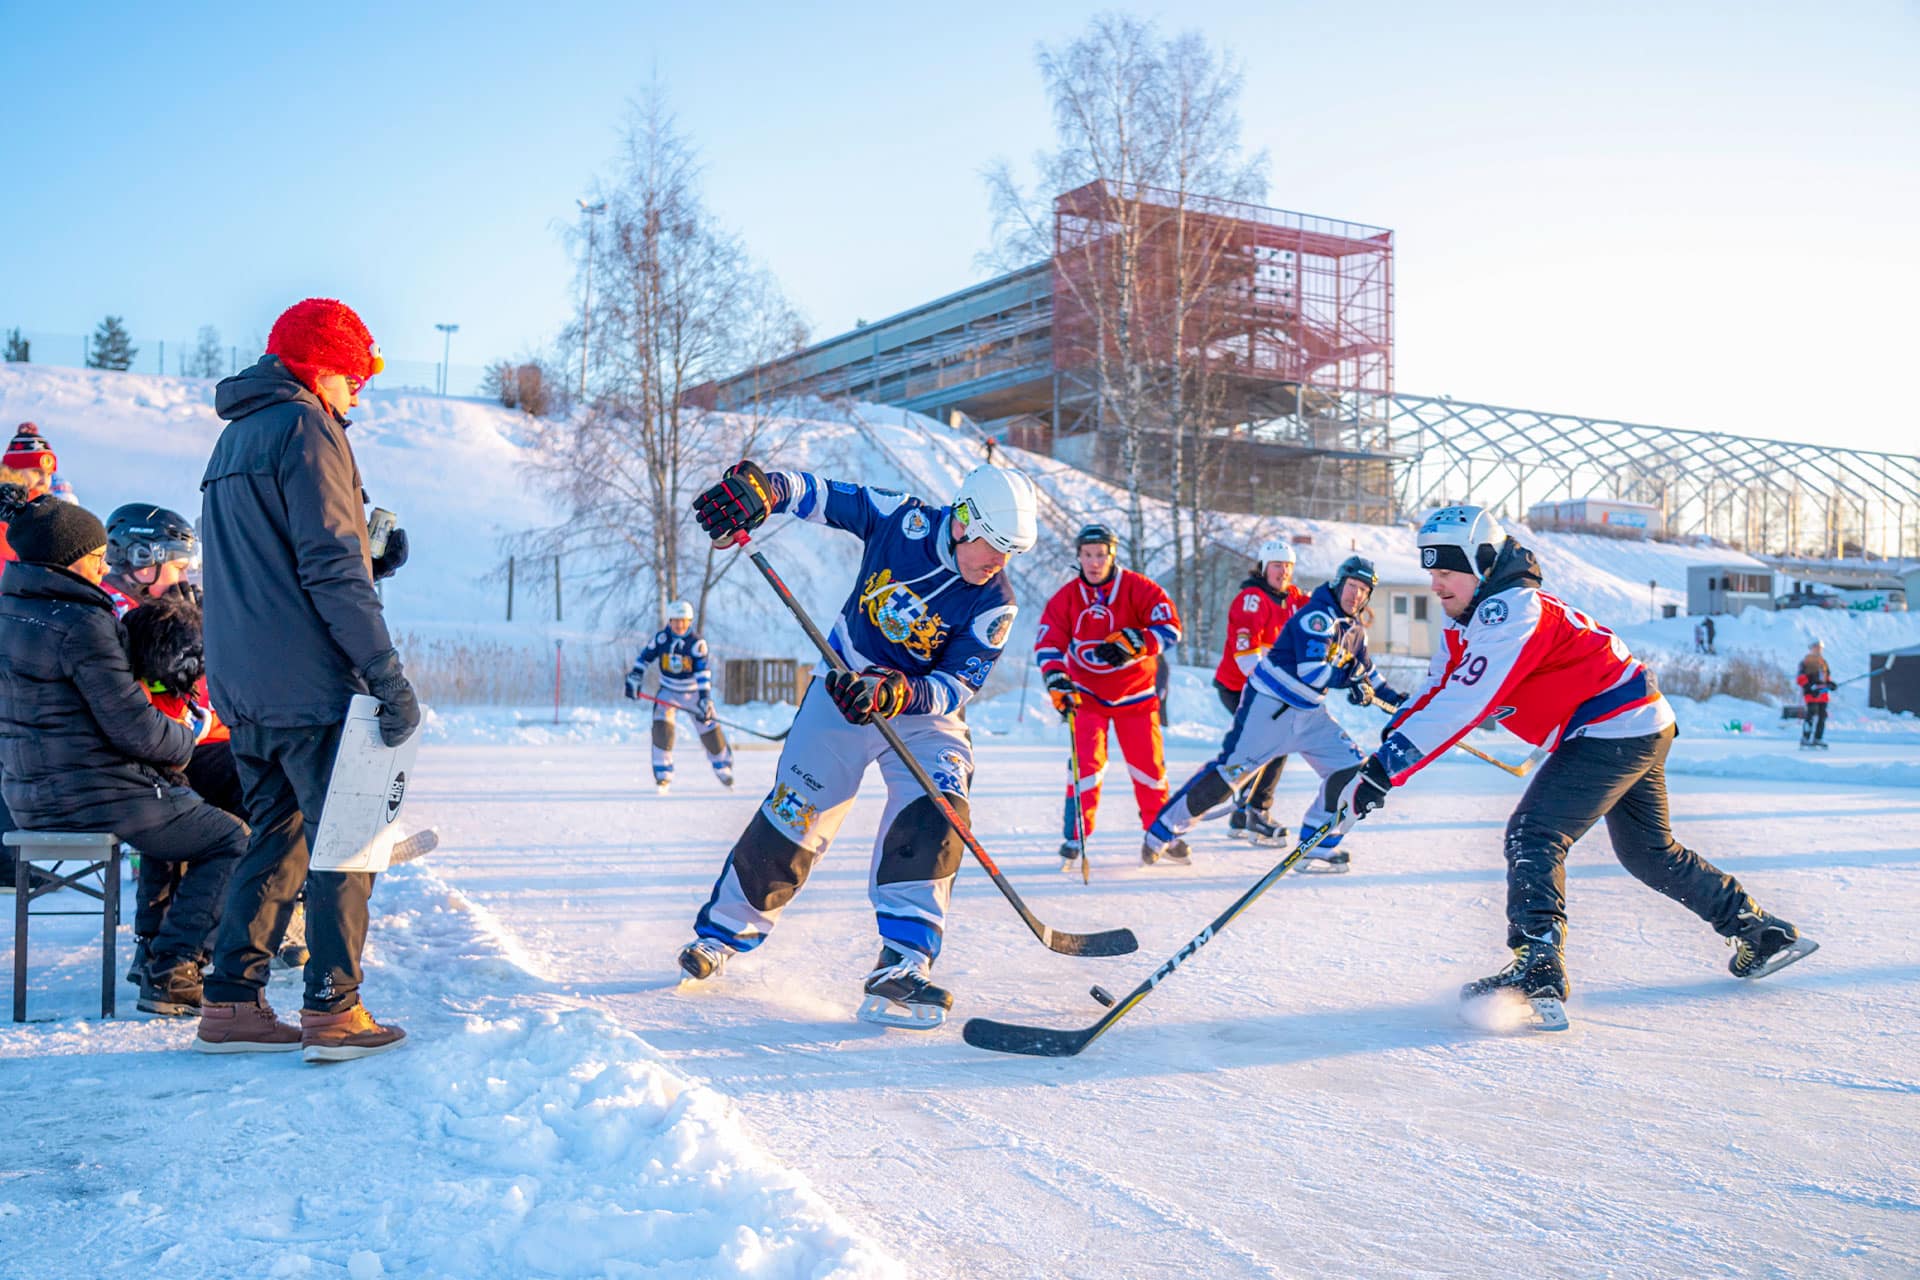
1354, 792
399, 709
876, 693
388, 562
1060, 689
200, 720
738, 504
636, 682
1360, 693
1122, 647
703, 708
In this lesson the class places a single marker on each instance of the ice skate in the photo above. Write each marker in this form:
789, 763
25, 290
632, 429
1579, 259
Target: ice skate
1766, 943
1070, 853
1174, 851
661, 786
1536, 977
1255, 827
1316, 863
899, 994
703, 958
725, 776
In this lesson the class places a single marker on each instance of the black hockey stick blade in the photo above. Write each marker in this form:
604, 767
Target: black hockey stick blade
1108, 942
1037, 1042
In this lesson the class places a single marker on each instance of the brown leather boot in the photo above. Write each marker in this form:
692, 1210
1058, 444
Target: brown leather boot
243, 1028
351, 1033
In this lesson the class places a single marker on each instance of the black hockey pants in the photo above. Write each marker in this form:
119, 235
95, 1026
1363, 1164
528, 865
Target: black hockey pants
1258, 795
1623, 780
212, 776
1813, 728
285, 773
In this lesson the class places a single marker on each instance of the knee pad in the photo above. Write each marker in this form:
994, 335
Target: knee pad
921, 844
1208, 790
663, 733
771, 868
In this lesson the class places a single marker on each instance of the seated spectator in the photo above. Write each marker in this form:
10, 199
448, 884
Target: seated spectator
82, 748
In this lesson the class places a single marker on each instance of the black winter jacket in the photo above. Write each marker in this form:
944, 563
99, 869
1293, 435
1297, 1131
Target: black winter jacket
78, 735
291, 615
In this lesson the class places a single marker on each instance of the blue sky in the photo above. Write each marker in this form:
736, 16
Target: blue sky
1697, 214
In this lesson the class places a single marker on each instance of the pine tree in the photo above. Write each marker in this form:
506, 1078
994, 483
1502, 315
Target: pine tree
17, 348
111, 347
209, 358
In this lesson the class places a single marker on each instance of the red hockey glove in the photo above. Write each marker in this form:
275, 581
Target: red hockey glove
1060, 689
738, 504
1122, 647
876, 693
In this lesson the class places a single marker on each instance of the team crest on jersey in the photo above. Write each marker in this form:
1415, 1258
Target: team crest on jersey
677, 664
1318, 622
992, 627
949, 771
916, 525
792, 810
902, 616
1493, 612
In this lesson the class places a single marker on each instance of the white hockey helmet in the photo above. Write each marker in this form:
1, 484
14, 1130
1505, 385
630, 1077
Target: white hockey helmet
1276, 549
1462, 539
999, 506
679, 611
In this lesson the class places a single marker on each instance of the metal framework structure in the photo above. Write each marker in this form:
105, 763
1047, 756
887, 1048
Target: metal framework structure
1767, 497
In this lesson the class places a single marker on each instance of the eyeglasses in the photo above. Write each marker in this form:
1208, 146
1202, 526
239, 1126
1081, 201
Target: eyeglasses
354, 384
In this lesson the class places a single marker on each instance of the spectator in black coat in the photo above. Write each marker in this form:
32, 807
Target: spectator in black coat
82, 748
293, 631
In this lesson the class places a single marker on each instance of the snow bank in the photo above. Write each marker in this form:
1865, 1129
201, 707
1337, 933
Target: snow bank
514, 1134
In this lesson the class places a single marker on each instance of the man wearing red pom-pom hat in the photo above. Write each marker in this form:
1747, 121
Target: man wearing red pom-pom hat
293, 630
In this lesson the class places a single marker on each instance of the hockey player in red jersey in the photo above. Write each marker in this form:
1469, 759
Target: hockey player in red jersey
1556, 678
1259, 611
1095, 646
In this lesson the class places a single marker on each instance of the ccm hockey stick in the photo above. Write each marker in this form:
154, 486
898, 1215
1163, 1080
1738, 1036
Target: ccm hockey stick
737, 728
1046, 1042
1110, 942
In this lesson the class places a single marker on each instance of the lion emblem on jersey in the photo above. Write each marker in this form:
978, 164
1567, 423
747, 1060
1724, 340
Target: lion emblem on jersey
902, 616
791, 810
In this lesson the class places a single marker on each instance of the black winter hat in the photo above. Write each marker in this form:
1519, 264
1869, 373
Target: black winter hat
49, 531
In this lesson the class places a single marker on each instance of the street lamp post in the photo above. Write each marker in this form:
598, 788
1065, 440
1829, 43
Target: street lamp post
586, 319
446, 353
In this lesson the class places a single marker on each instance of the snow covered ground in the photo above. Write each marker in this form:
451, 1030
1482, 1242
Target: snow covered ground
1300, 1099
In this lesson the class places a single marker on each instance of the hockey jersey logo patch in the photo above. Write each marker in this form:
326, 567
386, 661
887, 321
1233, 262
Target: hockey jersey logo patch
1317, 622
992, 627
791, 810
1493, 612
902, 616
916, 525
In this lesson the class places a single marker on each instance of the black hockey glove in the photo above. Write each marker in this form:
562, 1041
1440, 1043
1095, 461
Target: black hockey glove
1060, 689
636, 682
399, 709
876, 693
1354, 792
189, 591
1360, 693
1121, 647
388, 562
738, 504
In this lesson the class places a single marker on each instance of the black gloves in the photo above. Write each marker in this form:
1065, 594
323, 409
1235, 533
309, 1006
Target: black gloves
1360, 693
1121, 647
737, 505
636, 683
388, 562
703, 708
399, 709
1060, 689
876, 693
1354, 792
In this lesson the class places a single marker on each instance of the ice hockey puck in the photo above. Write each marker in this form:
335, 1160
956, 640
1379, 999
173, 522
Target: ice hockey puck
1101, 994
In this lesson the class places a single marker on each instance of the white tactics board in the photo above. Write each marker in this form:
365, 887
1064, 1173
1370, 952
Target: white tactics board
358, 827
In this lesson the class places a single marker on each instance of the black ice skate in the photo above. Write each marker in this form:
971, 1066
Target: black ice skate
1766, 943
1069, 855
1257, 827
704, 957
1174, 851
899, 995
1316, 863
1537, 976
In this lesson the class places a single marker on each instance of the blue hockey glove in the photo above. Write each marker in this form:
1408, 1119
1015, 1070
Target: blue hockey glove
1352, 793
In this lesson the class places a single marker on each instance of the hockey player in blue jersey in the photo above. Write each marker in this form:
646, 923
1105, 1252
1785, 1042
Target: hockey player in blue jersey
924, 624
686, 683
1322, 648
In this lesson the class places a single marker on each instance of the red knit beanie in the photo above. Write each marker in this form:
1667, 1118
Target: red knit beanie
29, 451
321, 335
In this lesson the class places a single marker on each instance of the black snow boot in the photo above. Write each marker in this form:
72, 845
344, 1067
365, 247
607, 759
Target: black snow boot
142, 957
170, 986
1765, 943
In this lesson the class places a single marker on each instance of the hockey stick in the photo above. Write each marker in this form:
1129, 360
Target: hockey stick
1079, 803
737, 728
1110, 942
1047, 1042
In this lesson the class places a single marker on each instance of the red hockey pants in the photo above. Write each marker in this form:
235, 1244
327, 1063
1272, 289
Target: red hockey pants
1138, 728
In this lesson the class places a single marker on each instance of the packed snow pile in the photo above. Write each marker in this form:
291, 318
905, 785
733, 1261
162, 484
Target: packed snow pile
516, 1134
